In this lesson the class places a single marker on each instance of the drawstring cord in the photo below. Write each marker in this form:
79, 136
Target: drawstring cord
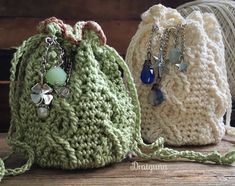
73, 35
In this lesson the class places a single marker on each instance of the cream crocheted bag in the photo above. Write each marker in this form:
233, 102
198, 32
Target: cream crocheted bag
196, 100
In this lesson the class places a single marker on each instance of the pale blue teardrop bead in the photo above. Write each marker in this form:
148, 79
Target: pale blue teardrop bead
174, 55
156, 97
56, 76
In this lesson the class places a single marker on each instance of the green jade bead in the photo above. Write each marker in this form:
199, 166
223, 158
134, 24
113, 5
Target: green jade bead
174, 55
56, 76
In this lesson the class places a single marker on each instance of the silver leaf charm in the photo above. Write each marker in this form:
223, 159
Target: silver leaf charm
36, 98
182, 67
41, 94
47, 99
159, 62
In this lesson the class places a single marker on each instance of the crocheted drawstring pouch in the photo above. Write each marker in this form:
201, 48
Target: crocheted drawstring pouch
179, 70
70, 107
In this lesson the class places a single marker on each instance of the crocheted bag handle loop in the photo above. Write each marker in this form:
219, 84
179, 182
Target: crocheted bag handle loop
92, 25
73, 35
12, 99
19, 170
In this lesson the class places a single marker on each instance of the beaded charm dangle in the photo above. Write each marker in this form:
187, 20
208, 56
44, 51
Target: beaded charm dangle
42, 98
43, 112
182, 67
41, 94
159, 63
175, 55
64, 90
156, 96
147, 74
55, 76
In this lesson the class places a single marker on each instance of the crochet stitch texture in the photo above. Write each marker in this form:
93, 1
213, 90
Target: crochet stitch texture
98, 124
196, 100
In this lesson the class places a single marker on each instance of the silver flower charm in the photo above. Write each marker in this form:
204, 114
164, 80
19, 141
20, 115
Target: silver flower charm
41, 94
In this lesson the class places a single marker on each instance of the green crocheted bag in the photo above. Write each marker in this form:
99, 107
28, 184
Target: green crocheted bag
97, 123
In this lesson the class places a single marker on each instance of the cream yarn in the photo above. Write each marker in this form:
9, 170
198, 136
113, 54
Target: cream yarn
224, 11
197, 100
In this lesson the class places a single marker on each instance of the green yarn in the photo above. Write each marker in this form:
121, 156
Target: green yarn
98, 124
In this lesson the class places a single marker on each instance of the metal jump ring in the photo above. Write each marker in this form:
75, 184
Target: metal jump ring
50, 40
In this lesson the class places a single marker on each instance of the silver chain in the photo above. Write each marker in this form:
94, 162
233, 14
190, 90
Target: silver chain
49, 42
176, 35
68, 70
155, 28
182, 41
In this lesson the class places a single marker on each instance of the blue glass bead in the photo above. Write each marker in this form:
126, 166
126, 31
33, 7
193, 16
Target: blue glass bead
174, 55
147, 73
156, 97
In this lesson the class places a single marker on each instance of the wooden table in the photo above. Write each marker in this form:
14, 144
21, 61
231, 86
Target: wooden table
163, 173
